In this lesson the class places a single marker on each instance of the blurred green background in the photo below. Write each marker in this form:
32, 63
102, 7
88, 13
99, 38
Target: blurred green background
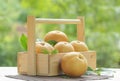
102, 26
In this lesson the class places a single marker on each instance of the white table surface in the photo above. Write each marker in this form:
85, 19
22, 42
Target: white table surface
13, 71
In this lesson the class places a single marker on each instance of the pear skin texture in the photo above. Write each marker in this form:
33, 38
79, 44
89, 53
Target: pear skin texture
56, 36
64, 47
41, 46
79, 46
74, 64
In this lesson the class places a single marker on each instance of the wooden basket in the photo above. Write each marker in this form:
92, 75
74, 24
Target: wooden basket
30, 63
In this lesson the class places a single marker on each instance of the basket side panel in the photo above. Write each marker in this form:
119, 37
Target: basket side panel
42, 64
54, 66
22, 62
91, 58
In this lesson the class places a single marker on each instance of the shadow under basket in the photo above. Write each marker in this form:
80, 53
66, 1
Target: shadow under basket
49, 65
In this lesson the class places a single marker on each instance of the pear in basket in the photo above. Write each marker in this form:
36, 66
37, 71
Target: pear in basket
56, 36
63, 47
42, 46
79, 46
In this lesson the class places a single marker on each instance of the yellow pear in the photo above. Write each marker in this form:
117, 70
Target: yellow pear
41, 46
56, 36
79, 46
63, 47
74, 64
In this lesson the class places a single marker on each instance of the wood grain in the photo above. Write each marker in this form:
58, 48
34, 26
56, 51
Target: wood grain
80, 29
31, 65
57, 21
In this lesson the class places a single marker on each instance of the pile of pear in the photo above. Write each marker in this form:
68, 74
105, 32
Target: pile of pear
62, 44
73, 63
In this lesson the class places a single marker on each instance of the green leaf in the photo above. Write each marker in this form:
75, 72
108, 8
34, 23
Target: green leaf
97, 71
23, 41
54, 51
52, 42
65, 76
45, 51
90, 69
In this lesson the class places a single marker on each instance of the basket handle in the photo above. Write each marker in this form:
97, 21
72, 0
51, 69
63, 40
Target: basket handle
31, 21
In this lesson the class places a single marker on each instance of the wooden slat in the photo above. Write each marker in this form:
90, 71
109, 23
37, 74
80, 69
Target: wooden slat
22, 62
91, 58
80, 29
54, 64
42, 64
57, 21
31, 46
